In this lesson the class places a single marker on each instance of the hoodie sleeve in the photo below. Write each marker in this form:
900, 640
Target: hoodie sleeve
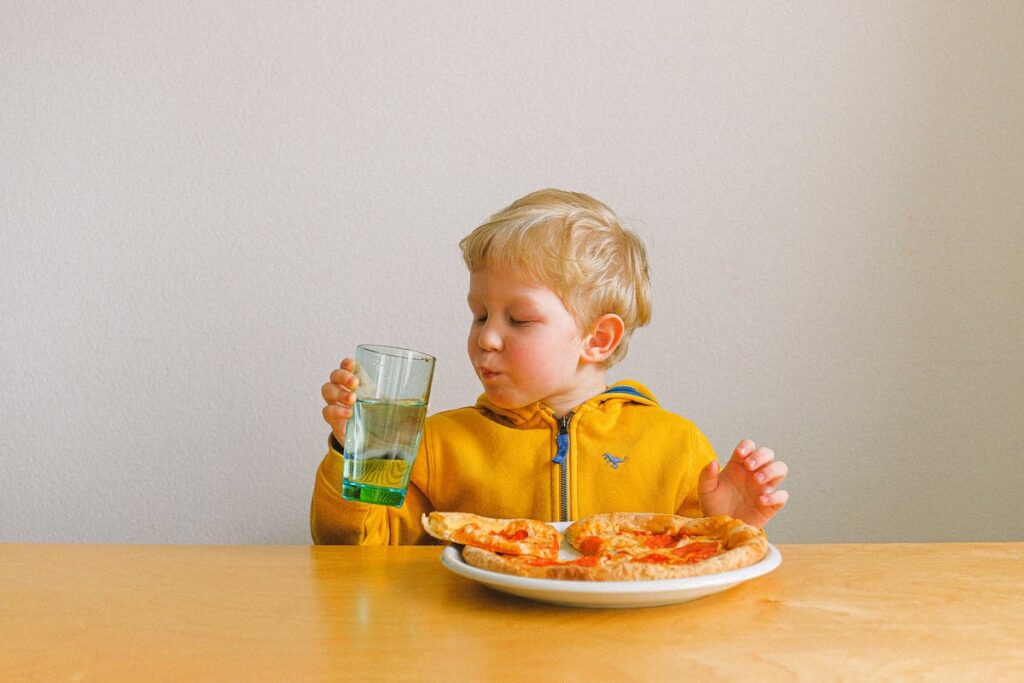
334, 520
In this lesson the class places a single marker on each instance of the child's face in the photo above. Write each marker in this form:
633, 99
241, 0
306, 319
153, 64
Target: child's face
524, 344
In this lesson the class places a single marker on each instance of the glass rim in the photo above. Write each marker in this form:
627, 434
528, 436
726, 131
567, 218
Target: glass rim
396, 352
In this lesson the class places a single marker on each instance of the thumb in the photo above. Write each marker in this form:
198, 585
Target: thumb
708, 480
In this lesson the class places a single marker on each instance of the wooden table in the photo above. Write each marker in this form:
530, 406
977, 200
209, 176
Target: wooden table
227, 613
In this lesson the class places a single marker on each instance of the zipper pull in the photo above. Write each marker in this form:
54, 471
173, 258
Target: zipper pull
562, 440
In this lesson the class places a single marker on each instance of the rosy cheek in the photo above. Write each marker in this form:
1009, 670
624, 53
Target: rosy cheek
532, 358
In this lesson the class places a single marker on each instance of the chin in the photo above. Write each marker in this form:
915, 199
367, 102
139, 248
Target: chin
503, 400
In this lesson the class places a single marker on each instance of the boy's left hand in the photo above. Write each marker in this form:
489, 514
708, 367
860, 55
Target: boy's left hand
747, 487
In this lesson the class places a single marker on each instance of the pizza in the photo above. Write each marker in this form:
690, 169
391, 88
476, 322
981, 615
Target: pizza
511, 537
630, 546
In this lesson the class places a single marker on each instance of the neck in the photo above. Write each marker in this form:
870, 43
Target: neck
564, 404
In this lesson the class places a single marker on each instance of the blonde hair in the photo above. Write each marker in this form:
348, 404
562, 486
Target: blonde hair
575, 245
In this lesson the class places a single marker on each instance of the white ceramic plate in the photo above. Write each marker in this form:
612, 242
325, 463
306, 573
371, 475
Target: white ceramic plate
608, 593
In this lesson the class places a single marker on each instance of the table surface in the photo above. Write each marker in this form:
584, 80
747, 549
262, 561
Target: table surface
829, 612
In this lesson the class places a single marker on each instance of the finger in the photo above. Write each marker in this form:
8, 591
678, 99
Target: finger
337, 415
758, 458
344, 378
333, 394
771, 474
333, 416
348, 364
775, 500
707, 481
743, 449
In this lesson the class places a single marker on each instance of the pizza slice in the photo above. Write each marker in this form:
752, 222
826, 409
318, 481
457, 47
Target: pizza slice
634, 536
670, 546
526, 537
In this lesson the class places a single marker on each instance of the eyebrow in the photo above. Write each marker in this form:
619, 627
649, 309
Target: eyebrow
517, 301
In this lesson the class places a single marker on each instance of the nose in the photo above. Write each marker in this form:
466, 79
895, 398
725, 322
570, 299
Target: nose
489, 339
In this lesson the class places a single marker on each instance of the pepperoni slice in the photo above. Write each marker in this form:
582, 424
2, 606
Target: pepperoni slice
695, 552
656, 541
591, 545
652, 558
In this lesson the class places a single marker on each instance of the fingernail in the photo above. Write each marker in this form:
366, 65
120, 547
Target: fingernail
760, 477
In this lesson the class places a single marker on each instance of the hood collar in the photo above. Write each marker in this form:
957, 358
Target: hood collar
625, 391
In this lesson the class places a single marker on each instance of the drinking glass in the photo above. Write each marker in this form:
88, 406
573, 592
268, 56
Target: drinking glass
383, 435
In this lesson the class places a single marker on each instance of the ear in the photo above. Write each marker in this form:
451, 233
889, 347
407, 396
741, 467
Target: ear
605, 336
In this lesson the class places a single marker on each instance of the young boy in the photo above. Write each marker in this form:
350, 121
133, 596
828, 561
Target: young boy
556, 288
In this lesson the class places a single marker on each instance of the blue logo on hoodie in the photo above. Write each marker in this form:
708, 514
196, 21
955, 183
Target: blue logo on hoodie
613, 461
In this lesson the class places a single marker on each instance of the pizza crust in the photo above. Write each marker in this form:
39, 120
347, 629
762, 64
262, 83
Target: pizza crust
443, 525
511, 564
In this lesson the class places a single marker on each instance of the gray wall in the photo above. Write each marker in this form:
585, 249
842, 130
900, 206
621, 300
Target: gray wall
205, 206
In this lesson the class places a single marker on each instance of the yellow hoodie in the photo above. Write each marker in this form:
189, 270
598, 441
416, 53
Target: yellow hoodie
619, 451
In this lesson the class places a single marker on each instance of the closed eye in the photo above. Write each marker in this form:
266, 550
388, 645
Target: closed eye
514, 322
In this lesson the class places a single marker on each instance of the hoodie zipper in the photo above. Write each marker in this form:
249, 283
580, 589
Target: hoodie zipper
562, 442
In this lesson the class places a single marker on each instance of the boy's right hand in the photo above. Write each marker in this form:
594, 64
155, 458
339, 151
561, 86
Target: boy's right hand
340, 396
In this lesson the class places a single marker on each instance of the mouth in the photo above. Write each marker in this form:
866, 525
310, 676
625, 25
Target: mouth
487, 374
